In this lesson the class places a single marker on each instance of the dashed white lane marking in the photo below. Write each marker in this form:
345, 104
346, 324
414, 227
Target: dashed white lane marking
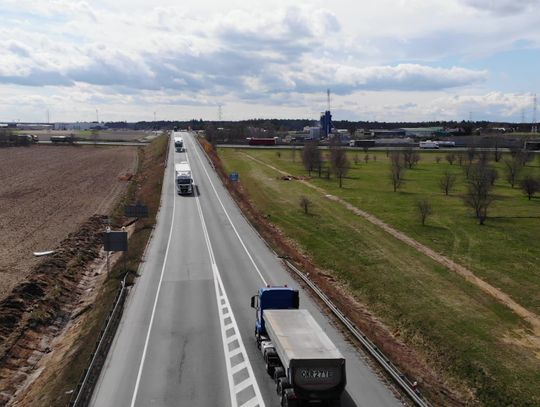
228, 217
243, 388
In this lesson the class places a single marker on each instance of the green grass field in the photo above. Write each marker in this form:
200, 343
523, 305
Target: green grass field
464, 332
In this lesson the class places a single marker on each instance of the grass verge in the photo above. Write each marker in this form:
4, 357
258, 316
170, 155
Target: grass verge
479, 347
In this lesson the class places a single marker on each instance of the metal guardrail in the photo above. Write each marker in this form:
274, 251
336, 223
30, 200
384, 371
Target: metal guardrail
404, 383
83, 393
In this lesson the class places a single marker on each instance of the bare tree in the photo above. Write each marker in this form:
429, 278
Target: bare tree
450, 157
311, 156
355, 158
447, 182
513, 167
293, 153
411, 157
530, 186
424, 210
438, 159
397, 168
339, 162
471, 154
493, 175
479, 196
366, 158
460, 158
305, 204
497, 153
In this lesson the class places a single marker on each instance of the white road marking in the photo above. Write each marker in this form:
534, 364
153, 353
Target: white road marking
228, 217
141, 364
225, 312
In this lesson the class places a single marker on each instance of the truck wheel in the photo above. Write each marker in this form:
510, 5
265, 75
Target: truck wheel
287, 399
278, 372
282, 384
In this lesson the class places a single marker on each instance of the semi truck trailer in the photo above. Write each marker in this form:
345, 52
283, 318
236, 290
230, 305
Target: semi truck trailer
183, 180
178, 144
304, 363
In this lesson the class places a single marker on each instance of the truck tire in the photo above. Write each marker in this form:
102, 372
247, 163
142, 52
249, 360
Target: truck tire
281, 385
287, 399
278, 372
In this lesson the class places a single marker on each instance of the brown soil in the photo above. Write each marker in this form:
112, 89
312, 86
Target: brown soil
46, 192
441, 390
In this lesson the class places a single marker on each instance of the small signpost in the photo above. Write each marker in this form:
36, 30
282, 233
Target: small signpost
115, 241
136, 211
234, 176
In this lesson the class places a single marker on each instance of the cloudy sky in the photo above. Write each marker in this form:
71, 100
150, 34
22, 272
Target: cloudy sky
383, 60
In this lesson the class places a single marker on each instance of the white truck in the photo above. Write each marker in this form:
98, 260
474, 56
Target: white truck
429, 144
183, 180
178, 144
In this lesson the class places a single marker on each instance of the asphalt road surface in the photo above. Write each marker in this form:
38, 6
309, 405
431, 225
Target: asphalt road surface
186, 337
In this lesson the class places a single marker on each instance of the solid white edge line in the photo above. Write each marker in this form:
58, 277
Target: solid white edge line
229, 218
141, 365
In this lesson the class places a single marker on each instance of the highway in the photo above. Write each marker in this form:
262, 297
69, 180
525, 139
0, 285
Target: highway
186, 336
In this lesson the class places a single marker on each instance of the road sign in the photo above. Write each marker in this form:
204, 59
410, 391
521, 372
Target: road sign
136, 211
115, 241
234, 176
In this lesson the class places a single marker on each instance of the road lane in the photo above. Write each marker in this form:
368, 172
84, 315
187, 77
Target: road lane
185, 362
242, 280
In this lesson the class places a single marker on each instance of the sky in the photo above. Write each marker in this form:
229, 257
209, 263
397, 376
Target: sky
384, 60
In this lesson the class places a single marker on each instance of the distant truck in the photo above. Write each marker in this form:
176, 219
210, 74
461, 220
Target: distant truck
362, 143
178, 144
302, 360
446, 144
268, 141
62, 139
429, 144
183, 180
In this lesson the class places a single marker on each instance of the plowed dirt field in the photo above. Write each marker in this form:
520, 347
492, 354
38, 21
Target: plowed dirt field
46, 192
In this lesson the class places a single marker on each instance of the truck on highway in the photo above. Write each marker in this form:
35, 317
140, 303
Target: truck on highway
429, 144
302, 360
178, 144
183, 180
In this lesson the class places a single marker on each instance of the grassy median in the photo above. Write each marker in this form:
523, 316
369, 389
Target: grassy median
464, 333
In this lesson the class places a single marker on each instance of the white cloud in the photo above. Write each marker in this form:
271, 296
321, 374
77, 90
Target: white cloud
259, 53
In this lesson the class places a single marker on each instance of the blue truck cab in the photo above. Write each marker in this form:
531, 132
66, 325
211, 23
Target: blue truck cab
281, 297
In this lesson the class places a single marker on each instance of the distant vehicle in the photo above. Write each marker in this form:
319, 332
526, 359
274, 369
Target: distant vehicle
446, 144
183, 180
268, 141
429, 144
28, 138
178, 144
62, 139
362, 143
303, 361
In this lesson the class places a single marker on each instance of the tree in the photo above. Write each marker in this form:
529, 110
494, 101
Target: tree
339, 162
530, 186
513, 167
451, 157
478, 195
447, 182
424, 210
305, 203
397, 169
497, 153
366, 158
438, 159
311, 156
410, 157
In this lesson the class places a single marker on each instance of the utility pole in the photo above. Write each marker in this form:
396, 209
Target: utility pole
220, 112
534, 127
328, 98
